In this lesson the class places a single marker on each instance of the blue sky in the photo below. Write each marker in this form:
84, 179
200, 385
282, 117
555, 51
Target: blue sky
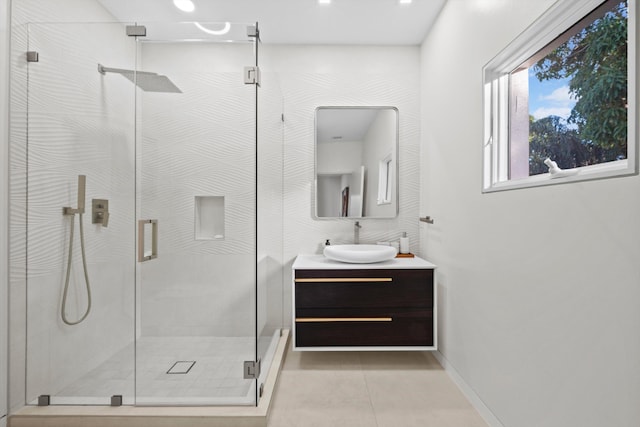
549, 97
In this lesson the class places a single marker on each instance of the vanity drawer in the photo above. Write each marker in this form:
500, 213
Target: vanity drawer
363, 327
363, 288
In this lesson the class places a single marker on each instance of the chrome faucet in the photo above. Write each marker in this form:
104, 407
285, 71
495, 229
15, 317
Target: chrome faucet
356, 232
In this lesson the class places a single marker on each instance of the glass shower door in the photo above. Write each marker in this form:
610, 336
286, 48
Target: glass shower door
150, 143
196, 202
77, 154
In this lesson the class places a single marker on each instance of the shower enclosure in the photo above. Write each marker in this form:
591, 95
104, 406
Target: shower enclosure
147, 134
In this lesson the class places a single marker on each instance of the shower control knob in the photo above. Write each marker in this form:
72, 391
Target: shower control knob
100, 211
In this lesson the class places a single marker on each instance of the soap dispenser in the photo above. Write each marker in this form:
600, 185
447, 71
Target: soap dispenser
404, 243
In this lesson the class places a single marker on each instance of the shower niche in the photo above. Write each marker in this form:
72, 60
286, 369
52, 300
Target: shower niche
209, 217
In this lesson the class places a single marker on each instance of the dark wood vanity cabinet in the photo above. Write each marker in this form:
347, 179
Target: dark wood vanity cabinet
360, 307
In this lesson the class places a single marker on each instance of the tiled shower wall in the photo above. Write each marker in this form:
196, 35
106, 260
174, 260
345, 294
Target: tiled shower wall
202, 143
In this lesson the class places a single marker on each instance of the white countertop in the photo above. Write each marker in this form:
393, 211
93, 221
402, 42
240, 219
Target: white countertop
320, 262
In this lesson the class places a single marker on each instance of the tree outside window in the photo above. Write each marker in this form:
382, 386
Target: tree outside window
570, 98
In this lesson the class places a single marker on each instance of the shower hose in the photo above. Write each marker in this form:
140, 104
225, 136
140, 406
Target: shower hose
86, 275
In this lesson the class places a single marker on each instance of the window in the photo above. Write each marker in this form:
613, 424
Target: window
563, 94
385, 180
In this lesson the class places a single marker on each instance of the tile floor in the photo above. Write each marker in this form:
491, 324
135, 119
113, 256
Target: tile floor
368, 389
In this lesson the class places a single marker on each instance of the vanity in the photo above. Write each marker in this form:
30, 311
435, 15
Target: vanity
340, 306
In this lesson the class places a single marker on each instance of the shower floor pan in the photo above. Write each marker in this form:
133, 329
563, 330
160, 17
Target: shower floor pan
172, 370
178, 411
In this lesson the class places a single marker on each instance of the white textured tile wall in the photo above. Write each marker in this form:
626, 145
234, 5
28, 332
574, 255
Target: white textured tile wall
270, 203
312, 76
24, 11
17, 218
4, 208
200, 142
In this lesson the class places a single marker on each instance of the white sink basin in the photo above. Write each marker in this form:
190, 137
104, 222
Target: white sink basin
360, 254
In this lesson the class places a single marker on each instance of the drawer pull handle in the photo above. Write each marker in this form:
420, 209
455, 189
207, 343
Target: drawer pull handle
345, 279
342, 319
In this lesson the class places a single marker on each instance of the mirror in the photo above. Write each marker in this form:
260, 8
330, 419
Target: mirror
356, 171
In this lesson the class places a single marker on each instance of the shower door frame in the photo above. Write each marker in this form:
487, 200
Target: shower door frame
249, 365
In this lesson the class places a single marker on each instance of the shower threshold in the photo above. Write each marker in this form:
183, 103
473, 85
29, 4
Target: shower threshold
135, 416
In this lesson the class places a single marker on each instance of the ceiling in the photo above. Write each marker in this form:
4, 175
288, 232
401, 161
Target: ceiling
372, 22
343, 124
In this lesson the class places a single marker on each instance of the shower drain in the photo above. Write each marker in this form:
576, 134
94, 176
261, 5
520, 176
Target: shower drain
181, 367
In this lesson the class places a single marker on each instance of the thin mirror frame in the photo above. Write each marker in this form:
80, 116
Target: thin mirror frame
396, 152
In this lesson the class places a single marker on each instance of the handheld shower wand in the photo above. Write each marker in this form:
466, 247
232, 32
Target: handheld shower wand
82, 184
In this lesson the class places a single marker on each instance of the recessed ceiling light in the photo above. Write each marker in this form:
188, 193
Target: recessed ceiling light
224, 30
324, 1
184, 5
405, 1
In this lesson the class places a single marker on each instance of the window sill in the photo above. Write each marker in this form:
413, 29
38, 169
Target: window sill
586, 173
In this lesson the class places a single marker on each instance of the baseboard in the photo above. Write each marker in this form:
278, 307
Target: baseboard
468, 391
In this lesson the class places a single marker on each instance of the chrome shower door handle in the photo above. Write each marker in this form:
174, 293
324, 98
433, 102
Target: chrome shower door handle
144, 255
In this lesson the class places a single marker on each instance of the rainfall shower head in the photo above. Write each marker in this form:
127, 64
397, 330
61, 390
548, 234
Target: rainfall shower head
149, 82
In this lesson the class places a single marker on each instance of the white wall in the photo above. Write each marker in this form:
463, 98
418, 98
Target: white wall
23, 11
4, 208
538, 288
338, 166
270, 202
379, 142
329, 190
339, 158
312, 76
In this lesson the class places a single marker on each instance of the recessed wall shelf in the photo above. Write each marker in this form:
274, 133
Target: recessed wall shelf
209, 217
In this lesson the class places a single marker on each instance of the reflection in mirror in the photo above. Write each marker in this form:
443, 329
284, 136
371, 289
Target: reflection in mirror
356, 162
